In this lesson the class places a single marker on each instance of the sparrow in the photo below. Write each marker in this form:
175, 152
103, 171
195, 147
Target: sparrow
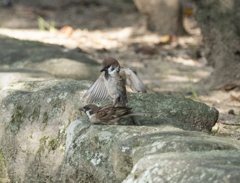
112, 83
109, 115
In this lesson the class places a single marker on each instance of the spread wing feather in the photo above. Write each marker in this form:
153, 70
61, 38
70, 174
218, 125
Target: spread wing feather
134, 82
97, 91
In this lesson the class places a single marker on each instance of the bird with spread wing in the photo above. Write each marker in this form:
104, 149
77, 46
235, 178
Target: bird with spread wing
112, 83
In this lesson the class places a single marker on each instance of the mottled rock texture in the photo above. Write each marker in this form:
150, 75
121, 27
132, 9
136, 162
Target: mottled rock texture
198, 167
108, 153
191, 115
3, 171
34, 117
37, 116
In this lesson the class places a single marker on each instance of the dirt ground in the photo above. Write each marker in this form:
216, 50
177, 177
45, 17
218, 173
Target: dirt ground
166, 64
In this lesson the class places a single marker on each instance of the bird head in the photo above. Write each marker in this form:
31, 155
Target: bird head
90, 109
110, 65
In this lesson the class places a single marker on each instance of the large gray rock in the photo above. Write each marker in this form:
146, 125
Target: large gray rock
34, 117
3, 171
8, 76
67, 68
180, 112
191, 167
108, 153
18, 52
31, 59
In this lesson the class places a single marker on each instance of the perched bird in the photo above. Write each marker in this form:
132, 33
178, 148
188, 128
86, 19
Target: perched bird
109, 115
113, 83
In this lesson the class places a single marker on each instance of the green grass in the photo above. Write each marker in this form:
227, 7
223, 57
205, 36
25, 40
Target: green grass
43, 25
191, 87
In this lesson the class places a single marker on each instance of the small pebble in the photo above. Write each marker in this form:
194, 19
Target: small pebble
231, 112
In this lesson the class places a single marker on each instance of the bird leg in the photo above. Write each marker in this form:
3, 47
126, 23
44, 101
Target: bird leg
110, 123
135, 121
116, 100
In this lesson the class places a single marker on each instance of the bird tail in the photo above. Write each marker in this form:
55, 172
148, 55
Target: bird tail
144, 114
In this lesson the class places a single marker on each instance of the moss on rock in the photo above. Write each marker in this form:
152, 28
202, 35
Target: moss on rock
3, 171
17, 119
34, 128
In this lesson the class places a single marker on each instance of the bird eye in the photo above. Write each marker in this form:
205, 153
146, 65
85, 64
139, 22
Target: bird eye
91, 112
112, 68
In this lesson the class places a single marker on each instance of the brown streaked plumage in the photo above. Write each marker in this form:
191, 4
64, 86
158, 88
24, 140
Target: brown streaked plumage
91, 106
109, 61
109, 115
112, 83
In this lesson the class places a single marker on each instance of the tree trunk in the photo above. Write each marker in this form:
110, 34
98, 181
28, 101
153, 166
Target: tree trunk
164, 16
219, 21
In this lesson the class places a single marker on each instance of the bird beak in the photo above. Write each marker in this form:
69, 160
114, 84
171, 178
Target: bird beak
103, 69
81, 109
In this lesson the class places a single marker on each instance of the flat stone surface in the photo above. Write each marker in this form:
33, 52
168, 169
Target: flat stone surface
32, 59
190, 167
181, 112
8, 76
67, 68
108, 153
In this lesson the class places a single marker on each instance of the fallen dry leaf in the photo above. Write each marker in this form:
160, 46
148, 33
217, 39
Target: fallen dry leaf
188, 11
230, 85
67, 30
233, 98
231, 112
232, 124
167, 40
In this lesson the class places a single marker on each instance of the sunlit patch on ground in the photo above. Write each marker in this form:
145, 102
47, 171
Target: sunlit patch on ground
160, 72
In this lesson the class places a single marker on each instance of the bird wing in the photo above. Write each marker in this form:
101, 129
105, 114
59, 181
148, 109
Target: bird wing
134, 82
112, 113
97, 91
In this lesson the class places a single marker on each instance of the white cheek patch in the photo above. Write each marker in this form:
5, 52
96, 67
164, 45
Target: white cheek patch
112, 70
89, 115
